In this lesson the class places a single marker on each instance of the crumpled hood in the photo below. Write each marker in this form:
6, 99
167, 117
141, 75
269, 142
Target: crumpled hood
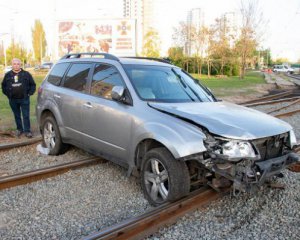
227, 119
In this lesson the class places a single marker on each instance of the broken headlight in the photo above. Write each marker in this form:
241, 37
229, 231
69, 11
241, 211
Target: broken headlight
238, 149
293, 140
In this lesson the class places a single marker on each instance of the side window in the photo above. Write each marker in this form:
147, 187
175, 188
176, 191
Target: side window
57, 73
76, 77
105, 77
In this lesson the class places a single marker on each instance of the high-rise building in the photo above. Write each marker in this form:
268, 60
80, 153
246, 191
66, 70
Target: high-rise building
195, 20
195, 17
143, 12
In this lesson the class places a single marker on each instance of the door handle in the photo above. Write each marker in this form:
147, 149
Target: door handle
56, 96
88, 105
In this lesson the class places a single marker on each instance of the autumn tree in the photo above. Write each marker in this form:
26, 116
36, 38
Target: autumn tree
16, 50
220, 43
176, 55
181, 36
194, 40
151, 46
39, 42
249, 33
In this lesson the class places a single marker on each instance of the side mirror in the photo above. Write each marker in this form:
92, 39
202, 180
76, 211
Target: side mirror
117, 93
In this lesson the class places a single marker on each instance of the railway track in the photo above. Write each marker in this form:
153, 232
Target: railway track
287, 114
296, 77
150, 222
43, 173
6, 146
269, 98
270, 102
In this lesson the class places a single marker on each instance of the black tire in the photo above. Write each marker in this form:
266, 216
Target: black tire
51, 136
167, 178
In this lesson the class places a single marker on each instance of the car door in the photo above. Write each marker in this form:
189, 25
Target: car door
107, 123
73, 99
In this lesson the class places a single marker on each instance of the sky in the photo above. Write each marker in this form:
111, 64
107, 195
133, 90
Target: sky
281, 32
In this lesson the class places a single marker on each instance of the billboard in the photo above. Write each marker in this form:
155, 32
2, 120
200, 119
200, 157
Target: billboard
116, 36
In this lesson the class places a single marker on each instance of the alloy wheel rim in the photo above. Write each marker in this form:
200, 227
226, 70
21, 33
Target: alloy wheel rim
49, 135
156, 179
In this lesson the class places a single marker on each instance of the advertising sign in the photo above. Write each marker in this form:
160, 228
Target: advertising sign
116, 36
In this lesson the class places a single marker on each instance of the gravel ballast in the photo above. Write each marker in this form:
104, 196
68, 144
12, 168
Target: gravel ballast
71, 205
27, 158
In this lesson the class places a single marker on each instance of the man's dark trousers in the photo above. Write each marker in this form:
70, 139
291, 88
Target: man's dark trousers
19, 106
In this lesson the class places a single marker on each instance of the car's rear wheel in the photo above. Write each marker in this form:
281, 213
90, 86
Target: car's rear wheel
163, 178
51, 136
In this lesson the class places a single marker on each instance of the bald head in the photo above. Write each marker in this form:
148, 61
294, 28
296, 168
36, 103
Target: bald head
16, 64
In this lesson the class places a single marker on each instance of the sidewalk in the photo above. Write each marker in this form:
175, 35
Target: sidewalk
278, 79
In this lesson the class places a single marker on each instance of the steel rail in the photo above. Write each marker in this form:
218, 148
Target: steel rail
8, 134
295, 76
150, 222
6, 146
284, 107
269, 97
271, 102
43, 173
287, 114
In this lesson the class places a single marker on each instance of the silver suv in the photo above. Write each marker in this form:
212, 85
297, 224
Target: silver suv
157, 121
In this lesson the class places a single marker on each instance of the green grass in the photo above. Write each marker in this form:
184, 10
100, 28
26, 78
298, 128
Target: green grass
6, 116
231, 86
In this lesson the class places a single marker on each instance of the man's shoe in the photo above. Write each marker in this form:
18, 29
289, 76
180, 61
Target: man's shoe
18, 133
28, 135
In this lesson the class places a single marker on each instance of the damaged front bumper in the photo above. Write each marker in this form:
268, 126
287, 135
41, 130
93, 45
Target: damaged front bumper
249, 175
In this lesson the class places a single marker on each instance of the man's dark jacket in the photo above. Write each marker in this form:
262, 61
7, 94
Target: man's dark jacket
27, 82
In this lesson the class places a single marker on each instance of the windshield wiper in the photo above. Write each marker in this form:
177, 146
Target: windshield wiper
185, 85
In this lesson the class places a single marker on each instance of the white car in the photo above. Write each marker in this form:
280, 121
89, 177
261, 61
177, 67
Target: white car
283, 69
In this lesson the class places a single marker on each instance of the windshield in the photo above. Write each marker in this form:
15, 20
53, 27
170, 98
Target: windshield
166, 84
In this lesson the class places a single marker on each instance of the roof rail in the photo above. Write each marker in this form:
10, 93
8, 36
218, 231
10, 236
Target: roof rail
164, 60
91, 54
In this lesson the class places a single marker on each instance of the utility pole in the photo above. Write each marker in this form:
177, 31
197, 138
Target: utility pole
41, 47
4, 49
268, 57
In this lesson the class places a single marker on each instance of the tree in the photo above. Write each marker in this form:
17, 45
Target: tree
195, 41
16, 50
176, 55
281, 61
249, 34
39, 42
181, 36
222, 37
151, 45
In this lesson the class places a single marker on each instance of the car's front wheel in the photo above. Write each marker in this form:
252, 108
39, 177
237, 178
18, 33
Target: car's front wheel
163, 178
51, 136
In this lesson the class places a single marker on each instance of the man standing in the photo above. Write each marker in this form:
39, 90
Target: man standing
18, 85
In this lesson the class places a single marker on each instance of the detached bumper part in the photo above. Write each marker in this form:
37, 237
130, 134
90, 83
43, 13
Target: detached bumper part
271, 167
250, 178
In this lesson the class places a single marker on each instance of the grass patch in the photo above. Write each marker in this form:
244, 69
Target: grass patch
6, 115
230, 86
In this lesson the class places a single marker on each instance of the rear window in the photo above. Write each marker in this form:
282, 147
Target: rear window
77, 75
57, 73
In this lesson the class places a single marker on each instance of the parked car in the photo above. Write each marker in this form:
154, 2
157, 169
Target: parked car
44, 66
161, 124
283, 69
